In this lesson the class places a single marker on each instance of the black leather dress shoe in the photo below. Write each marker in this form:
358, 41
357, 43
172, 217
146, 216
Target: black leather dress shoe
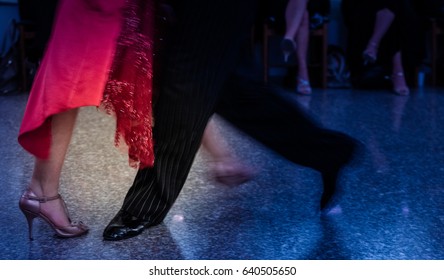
348, 152
123, 226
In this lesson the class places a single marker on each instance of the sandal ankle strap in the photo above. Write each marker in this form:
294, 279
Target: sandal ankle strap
42, 199
303, 82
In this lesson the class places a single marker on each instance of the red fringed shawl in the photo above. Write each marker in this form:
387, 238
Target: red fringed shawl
128, 92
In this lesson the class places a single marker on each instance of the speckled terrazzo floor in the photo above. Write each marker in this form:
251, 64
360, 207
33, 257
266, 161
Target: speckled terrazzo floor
392, 206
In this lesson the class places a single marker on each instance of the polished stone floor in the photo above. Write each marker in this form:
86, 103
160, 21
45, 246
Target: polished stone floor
392, 208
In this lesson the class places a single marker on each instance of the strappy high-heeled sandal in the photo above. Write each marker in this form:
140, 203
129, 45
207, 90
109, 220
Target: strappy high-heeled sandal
401, 89
303, 87
370, 54
288, 47
30, 205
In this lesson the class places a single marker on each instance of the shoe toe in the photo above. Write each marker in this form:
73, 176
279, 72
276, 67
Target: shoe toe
124, 226
114, 233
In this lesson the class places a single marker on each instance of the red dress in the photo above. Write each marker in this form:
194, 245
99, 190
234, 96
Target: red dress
99, 54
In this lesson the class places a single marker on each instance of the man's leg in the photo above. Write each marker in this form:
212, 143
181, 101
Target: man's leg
287, 129
200, 52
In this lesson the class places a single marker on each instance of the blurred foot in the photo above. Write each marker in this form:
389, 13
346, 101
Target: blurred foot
231, 173
288, 47
303, 87
370, 53
399, 84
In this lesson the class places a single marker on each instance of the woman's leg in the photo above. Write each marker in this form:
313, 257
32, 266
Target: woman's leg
302, 40
226, 167
212, 142
383, 21
46, 175
293, 17
294, 14
398, 79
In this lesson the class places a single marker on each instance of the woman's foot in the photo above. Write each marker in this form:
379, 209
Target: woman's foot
288, 47
399, 84
303, 87
370, 53
53, 211
230, 172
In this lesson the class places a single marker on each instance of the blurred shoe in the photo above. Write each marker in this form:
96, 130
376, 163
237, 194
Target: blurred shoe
288, 47
231, 173
370, 54
345, 153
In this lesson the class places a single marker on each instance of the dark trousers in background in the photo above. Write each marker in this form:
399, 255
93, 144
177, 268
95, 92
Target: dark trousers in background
40, 15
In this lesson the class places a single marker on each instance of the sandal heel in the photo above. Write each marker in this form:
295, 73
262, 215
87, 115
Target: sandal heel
30, 205
30, 219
